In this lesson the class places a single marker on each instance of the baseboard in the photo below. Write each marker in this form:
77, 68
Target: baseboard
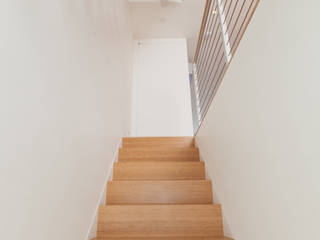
209, 176
92, 231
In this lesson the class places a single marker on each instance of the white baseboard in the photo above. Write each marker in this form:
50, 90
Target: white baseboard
92, 231
209, 176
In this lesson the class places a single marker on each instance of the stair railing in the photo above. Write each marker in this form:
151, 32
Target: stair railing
223, 25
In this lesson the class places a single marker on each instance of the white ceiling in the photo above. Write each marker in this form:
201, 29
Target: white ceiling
172, 20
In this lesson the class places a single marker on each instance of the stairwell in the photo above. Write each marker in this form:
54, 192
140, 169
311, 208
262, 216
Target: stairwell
159, 191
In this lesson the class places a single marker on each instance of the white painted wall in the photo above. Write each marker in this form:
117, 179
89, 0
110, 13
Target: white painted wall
260, 138
161, 90
65, 69
175, 20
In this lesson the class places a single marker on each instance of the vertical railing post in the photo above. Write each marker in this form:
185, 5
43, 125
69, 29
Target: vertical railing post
197, 94
224, 30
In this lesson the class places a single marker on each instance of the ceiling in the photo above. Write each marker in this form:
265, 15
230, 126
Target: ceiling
154, 19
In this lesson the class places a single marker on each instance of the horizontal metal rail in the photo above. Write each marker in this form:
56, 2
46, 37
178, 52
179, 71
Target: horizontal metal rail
223, 25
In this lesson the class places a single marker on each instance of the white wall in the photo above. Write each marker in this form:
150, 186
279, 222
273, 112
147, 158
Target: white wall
175, 20
260, 138
65, 68
161, 90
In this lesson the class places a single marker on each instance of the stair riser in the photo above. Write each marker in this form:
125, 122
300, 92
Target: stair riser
159, 154
158, 141
159, 171
160, 221
159, 192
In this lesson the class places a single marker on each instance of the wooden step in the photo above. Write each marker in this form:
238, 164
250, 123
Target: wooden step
164, 238
159, 154
159, 192
158, 171
158, 142
145, 221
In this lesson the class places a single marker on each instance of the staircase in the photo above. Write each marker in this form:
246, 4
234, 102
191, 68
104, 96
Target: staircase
158, 192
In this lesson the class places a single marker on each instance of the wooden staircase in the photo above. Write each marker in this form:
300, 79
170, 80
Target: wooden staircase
158, 192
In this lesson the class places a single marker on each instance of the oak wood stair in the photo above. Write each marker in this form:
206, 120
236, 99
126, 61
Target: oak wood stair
159, 192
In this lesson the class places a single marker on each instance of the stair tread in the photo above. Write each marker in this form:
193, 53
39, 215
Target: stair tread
159, 171
160, 192
158, 141
138, 221
158, 154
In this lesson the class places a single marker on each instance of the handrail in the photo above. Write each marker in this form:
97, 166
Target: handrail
223, 25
